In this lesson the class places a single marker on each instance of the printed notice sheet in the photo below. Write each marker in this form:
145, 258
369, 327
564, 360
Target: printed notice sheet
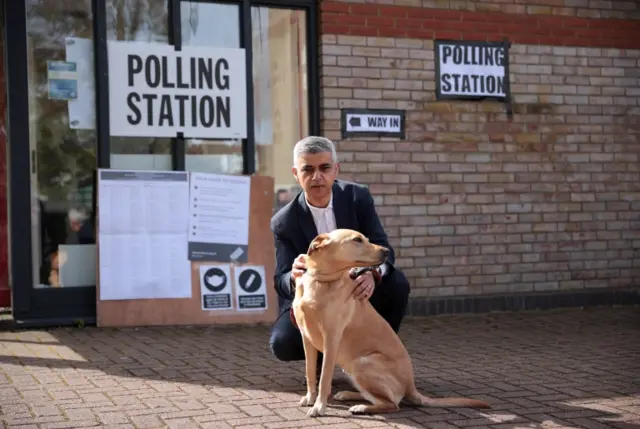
219, 217
143, 228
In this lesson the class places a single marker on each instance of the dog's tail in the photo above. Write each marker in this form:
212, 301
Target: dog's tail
417, 398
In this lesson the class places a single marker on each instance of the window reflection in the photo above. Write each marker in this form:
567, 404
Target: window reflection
280, 93
213, 25
142, 21
62, 142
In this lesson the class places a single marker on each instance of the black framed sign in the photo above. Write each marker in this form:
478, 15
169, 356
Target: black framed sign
373, 122
472, 70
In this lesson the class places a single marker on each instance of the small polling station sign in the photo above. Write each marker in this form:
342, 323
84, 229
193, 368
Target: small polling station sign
373, 122
472, 70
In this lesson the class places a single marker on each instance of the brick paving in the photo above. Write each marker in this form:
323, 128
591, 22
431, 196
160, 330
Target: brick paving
558, 369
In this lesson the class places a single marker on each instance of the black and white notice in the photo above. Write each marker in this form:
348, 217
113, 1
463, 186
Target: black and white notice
471, 69
251, 288
373, 122
215, 287
156, 91
219, 217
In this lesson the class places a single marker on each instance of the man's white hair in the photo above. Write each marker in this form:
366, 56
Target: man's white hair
314, 144
76, 215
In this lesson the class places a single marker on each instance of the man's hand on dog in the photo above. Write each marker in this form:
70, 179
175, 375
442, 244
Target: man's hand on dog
298, 268
364, 286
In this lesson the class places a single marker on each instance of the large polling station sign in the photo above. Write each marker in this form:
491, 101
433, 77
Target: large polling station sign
156, 91
471, 70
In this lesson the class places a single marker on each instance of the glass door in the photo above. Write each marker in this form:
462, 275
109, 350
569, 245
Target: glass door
62, 152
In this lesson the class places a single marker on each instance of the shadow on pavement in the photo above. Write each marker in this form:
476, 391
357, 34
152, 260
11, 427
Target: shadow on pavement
557, 369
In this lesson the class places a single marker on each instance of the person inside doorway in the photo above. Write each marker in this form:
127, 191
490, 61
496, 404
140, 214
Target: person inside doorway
80, 228
282, 198
324, 204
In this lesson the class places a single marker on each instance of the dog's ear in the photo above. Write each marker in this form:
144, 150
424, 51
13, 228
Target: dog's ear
318, 243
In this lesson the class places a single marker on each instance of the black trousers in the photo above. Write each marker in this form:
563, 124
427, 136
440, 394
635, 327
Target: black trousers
389, 299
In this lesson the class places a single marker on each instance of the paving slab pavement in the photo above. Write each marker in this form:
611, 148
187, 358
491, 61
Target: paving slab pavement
539, 370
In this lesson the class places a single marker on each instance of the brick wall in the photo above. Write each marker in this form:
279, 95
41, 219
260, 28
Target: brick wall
476, 203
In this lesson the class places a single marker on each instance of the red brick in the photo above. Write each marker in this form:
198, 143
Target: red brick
329, 6
350, 19
359, 9
328, 28
391, 32
526, 29
419, 34
474, 16
385, 21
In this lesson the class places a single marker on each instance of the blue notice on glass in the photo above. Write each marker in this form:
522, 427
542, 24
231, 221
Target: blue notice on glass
63, 80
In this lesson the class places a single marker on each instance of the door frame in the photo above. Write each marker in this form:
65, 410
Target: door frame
66, 306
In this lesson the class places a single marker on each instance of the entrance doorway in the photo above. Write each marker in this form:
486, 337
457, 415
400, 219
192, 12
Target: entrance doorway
52, 161
58, 94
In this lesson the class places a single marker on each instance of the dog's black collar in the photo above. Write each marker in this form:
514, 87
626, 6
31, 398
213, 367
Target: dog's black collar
360, 271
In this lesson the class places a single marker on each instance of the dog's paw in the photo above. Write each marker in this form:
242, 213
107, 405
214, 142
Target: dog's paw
342, 396
358, 409
317, 410
307, 400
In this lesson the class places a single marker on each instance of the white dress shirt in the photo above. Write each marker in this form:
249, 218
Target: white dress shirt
325, 221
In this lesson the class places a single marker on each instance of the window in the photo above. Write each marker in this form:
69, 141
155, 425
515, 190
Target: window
214, 25
143, 21
280, 92
62, 142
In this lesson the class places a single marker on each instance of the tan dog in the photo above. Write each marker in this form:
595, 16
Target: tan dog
351, 333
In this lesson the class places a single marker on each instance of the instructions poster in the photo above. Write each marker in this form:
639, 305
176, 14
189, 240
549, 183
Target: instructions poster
251, 288
215, 287
219, 217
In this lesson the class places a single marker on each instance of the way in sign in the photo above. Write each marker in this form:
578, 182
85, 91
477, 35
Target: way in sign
369, 122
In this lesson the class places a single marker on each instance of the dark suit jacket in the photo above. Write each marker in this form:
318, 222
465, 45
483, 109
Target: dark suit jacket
294, 229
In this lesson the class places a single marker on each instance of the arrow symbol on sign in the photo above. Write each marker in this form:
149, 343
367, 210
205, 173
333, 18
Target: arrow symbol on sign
354, 121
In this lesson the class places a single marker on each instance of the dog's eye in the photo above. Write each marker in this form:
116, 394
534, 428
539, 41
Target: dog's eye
357, 239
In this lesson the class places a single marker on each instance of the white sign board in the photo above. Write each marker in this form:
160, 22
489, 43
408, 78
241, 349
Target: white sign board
471, 69
382, 123
142, 234
156, 91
